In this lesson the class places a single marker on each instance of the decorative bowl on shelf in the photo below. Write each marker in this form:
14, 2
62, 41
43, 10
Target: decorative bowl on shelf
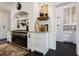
43, 18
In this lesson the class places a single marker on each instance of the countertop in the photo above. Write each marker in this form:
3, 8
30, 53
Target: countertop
38, 32
29, 32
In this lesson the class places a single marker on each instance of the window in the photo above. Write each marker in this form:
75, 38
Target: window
70, 18
70, 15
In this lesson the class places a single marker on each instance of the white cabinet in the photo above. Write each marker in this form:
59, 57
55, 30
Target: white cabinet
38, 41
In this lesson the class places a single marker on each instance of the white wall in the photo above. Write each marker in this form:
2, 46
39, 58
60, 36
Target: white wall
27, 7
4, 21
52, 25
70, 36
59, 19
65, 36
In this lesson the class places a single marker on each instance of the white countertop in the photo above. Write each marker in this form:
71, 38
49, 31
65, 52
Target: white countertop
38, 32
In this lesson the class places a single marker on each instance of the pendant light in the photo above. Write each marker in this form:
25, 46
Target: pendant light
18, 6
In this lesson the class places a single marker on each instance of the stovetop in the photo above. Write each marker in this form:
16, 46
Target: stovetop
20, 31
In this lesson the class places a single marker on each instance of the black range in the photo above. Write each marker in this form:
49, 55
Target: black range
19, 37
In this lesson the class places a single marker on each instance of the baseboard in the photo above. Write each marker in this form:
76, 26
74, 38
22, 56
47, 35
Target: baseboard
67, 42
3, 39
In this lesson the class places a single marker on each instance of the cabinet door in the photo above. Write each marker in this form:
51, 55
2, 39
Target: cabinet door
40, 42
30, 38
38, 47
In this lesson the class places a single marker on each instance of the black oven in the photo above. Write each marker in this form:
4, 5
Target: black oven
19, 37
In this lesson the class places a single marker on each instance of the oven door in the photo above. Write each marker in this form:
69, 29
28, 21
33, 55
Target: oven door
19, 39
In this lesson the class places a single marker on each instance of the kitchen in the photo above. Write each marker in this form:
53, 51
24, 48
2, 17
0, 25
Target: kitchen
33, 27
25, 27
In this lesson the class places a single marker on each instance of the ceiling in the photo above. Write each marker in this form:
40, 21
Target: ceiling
8, 5
62, 3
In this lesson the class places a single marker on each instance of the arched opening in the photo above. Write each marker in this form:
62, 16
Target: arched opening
21, 20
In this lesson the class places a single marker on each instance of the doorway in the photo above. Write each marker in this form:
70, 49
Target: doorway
66, 29
4, 24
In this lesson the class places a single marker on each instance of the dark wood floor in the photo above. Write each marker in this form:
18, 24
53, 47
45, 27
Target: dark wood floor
62, 49
65, 49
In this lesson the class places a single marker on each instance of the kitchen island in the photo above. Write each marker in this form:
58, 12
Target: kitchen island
38, 41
